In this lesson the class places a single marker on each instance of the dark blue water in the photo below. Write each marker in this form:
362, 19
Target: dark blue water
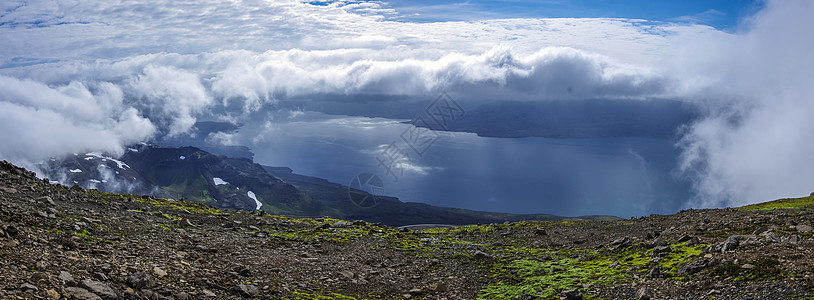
570, 177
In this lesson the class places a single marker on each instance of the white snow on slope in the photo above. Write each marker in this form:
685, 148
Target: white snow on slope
92, 155
251, 195
75, 171
219, 181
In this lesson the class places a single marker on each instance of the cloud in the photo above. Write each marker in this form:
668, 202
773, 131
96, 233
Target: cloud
755, 145
40, 121
170, 96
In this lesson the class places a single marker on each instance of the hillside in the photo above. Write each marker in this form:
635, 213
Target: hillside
59, 242
225, 182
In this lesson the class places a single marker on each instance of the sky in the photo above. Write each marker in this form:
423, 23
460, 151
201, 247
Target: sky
98, 75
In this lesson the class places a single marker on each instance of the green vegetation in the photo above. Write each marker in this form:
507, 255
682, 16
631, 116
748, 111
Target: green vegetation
764, 269
190, 207
789, 203
546, 272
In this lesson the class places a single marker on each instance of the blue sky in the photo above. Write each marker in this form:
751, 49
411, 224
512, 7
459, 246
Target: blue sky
721, 14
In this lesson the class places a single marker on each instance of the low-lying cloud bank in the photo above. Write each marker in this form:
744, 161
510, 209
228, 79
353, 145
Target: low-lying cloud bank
132, 79
756, 143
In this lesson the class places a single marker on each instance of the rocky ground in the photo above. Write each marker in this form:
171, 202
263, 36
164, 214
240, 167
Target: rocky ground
68, 243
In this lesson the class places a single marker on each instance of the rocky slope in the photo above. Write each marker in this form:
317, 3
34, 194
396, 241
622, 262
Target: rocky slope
68, 243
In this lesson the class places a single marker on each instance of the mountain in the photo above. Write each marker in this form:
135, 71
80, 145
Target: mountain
192, 174
58, 242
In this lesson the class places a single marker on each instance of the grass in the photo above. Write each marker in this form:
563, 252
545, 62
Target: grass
788, 203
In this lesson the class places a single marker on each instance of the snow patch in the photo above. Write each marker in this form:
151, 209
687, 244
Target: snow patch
219, 181
93, 155
95, 181
251, 195
53, 182
182, 157
132, 149
75, 171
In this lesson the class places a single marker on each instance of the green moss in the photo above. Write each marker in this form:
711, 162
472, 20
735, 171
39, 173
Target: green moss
789, 203
765, 269
543, 272
191, 207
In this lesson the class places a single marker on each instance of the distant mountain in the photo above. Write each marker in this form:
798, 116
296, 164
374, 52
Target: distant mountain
238, 183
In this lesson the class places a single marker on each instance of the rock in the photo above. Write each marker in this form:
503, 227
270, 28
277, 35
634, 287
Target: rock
159, 272
340, 224
207, 293
651, 234
46, 199
655, 272
103, 290
181, 296
347, 274
407, 296
643, 294
242, 270
661, 249
437, 287
540, 231
656, 243
140, 280
622, 242
415, 292
697, 266
39, 276
29, 288
570, 295
684, 238
52, 294
65, 276
731, 243
760, 230
80, 293
481, 255
804, 228
748, 266
794, 239
247, 291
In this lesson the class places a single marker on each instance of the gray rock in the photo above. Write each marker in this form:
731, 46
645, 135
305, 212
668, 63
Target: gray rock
655, 272
804, 228
643, 294
242, 270
748, 266
65, 276
540, 231
622, 242
695, 267
39, 276
247, 291
415, 292
140, 280
481, 255
656, 243
570, 295
340, 224
731, 243
80, 293
99, 288
29, 288
662, 249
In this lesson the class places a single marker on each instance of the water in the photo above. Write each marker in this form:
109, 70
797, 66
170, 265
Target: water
569, 177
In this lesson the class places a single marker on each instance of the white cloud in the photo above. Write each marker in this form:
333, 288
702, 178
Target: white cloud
756, 144
40, 122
